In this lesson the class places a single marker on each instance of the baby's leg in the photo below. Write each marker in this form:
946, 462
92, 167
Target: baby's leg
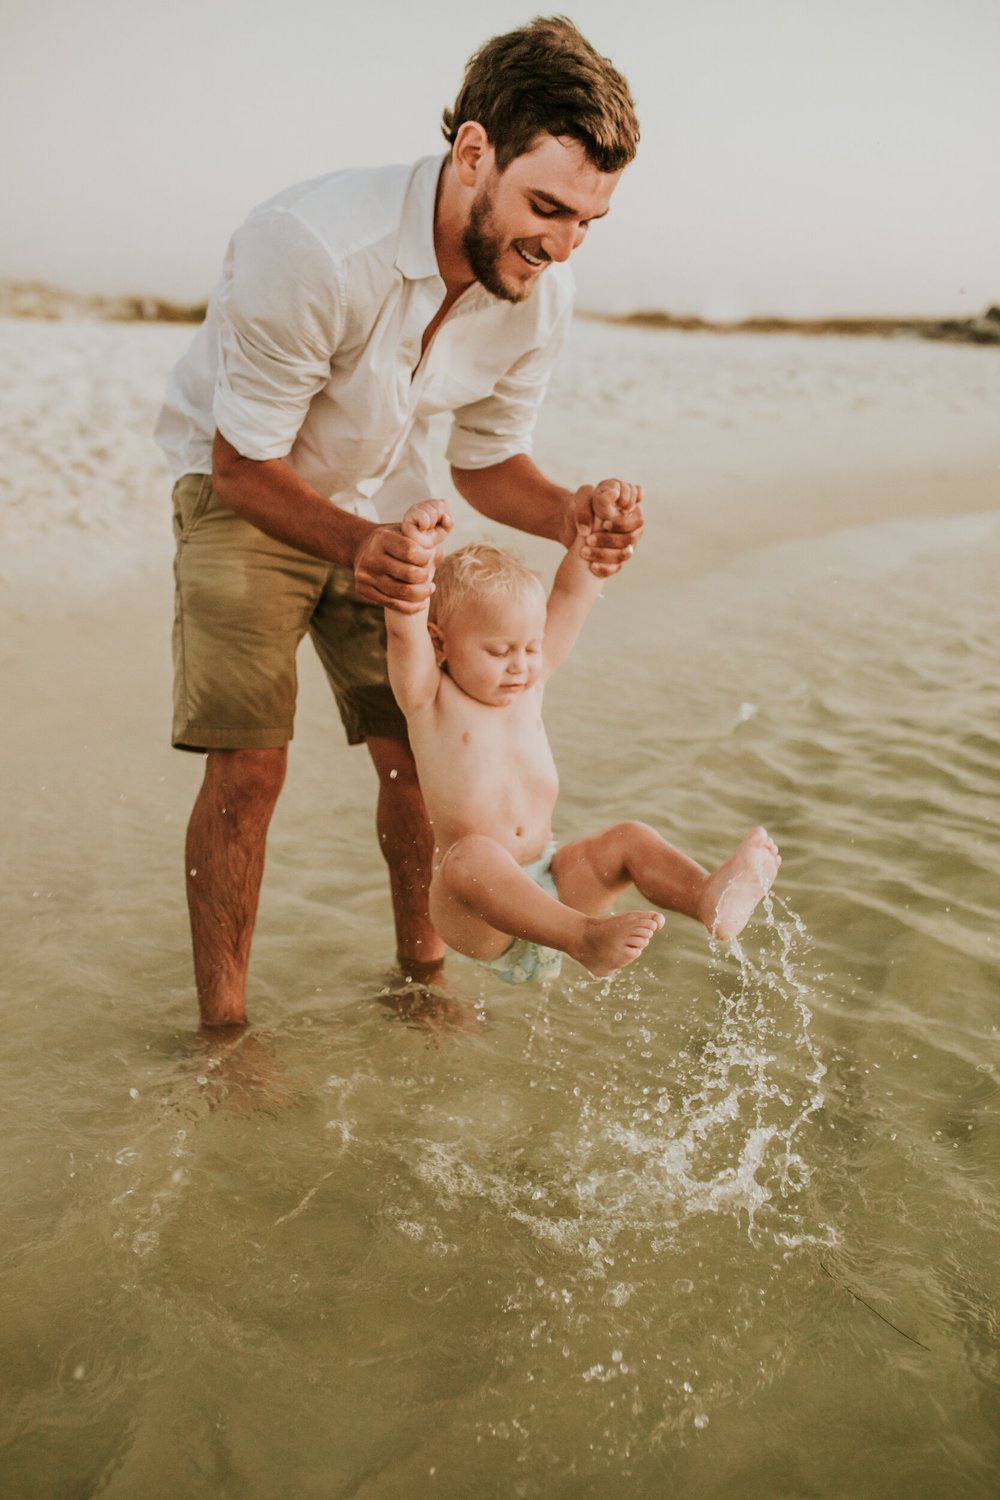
481, 899
592, 873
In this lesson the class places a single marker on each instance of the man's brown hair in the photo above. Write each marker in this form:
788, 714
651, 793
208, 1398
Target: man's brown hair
546, 77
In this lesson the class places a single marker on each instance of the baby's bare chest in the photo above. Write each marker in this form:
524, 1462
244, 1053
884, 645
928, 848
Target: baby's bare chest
480, 750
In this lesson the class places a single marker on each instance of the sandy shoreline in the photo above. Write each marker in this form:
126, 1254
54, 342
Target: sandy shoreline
740, 444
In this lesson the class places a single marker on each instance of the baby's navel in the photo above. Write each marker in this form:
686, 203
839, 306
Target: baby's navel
466, 737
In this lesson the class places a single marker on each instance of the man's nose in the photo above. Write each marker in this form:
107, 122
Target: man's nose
562, 239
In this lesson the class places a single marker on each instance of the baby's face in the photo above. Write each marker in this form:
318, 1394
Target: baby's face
492, 646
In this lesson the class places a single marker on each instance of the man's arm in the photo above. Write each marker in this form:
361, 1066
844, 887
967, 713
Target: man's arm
516, 493
389, 568
413, 671
282, 320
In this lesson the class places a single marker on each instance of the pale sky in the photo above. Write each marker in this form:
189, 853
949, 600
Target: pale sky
824, 156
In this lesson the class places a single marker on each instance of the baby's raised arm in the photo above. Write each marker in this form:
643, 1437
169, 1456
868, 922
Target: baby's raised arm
574, 590
413, 671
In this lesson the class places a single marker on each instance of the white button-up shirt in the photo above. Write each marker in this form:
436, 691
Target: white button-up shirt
310, 350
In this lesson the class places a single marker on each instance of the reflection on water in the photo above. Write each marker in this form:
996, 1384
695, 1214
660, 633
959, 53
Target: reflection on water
725, 1225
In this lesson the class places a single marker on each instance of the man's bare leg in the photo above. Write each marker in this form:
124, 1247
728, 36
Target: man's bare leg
407, 843
592, 873
226, 840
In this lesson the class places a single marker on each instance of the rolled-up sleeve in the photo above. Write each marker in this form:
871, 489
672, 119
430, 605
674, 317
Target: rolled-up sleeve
281, 320
502, 424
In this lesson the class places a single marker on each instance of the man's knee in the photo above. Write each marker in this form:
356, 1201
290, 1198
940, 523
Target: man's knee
246, 782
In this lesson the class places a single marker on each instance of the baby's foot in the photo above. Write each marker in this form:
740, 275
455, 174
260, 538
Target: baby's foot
737, 886
609, 943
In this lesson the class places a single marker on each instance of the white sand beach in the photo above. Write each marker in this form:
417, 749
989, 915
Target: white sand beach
739, 441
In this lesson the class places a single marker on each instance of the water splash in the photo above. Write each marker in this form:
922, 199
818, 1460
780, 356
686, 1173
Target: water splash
763, 1083
729, 1136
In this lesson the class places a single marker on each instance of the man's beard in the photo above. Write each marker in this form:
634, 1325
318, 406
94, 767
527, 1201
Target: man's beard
483, 248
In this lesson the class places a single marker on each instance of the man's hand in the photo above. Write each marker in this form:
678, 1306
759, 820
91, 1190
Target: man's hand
610, 516
395, 569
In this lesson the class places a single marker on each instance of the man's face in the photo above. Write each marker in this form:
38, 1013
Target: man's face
534, 212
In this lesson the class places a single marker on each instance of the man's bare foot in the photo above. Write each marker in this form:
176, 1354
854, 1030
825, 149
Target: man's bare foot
609, 943
237, 1071
427, 1001
737, 886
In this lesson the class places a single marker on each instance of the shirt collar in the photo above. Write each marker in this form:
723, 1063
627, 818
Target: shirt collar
415, 255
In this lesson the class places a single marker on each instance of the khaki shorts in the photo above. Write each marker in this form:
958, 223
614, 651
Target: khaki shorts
243, 604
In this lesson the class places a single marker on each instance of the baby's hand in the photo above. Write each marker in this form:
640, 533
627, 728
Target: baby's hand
394, 565
428, 523
609, 516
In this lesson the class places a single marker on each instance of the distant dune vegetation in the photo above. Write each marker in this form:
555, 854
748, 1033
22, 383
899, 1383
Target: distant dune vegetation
33, 299
984, 329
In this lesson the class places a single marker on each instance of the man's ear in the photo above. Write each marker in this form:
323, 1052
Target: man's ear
471, 153
437, 641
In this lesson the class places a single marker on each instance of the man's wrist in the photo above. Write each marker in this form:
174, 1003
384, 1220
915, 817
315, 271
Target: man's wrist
566, 514
356, 533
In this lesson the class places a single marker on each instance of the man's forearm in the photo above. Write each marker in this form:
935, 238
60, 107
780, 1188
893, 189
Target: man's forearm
277, 500
516, 493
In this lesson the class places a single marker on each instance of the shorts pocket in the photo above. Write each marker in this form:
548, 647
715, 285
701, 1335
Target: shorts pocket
192, 497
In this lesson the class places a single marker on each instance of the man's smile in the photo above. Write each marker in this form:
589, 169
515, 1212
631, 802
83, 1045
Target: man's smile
533, 260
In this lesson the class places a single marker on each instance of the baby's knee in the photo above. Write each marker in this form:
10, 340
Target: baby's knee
633, 834
463, 864
469, 851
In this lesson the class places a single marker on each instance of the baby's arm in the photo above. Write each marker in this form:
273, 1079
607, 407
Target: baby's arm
574, 590
413, 671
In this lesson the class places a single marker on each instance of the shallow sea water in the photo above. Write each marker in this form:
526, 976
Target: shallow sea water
723, 1226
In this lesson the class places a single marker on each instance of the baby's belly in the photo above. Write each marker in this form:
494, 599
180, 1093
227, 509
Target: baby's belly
506, 791
525, 832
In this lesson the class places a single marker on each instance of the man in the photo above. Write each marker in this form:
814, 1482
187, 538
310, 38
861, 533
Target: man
350, 310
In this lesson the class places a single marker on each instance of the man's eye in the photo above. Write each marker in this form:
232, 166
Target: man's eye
544, 213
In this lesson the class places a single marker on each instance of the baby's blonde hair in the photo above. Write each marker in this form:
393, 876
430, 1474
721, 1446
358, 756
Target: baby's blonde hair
477, 570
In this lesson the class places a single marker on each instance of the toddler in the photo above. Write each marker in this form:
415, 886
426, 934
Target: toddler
469, 671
